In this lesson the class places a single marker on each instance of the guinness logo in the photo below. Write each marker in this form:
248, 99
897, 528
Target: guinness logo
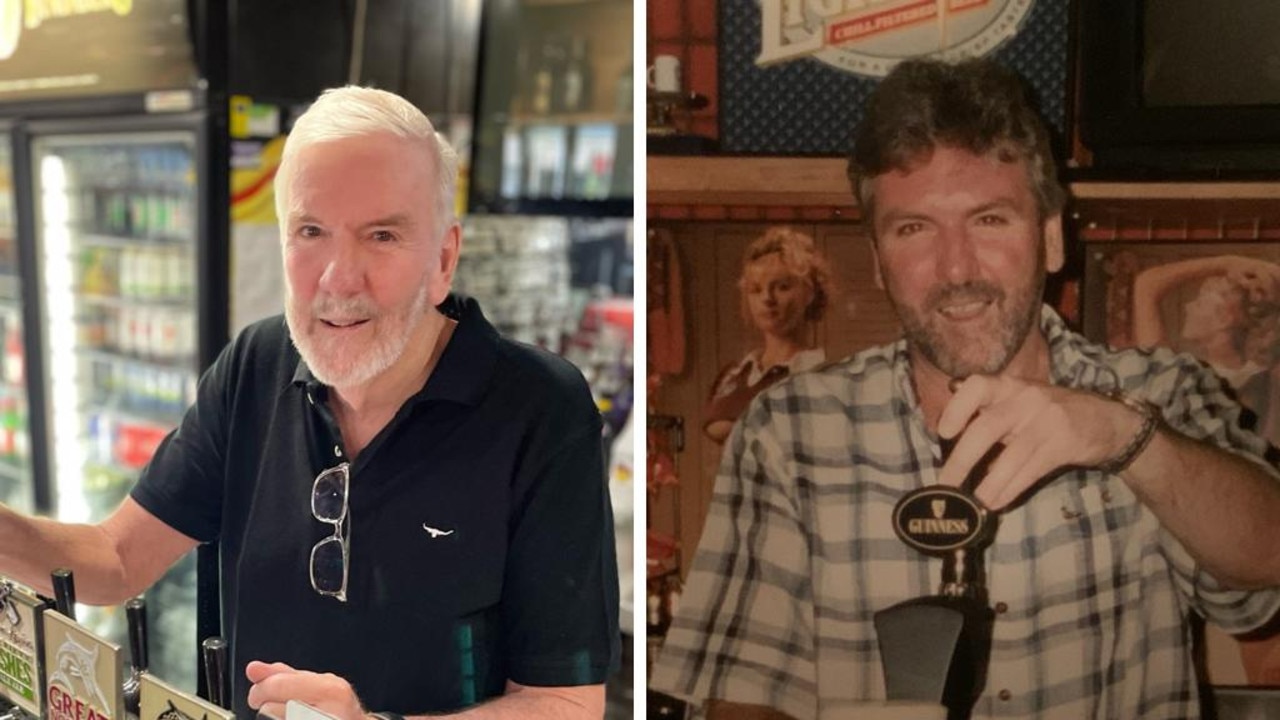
938, 519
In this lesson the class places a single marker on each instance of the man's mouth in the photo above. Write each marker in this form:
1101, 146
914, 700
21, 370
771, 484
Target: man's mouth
961, 311
343, 324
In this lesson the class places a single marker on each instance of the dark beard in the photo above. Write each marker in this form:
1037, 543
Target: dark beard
1016, 317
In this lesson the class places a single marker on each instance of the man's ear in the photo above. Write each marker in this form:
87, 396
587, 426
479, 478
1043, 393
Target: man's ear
875, 261
1054, 254
447, 263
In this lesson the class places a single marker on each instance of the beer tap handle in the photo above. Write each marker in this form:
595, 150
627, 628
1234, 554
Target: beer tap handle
215, 668
136, 614
64, 592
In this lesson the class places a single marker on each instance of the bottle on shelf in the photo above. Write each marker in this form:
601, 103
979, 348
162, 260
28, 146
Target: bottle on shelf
575, 93
8, 427
550, 65
14, 361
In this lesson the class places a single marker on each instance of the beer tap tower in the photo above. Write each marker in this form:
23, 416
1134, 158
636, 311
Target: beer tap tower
936, 648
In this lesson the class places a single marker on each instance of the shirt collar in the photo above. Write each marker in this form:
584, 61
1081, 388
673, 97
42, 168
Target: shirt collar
462, 373
800, 362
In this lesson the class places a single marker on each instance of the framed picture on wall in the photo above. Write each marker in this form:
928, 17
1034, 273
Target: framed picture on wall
1219, 301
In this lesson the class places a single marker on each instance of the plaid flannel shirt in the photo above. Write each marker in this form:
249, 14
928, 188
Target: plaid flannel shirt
1092, 595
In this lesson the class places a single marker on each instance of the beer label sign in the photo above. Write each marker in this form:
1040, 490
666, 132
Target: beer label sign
938, 519
161, 701
19, 670
869, 37
83, 672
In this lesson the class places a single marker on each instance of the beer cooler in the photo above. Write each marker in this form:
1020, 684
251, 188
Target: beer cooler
117, 243
17, 489
113, 264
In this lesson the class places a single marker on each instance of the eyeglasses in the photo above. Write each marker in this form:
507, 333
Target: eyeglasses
329, 556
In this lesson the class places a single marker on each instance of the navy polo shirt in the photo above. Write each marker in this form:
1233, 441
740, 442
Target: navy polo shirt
499, 454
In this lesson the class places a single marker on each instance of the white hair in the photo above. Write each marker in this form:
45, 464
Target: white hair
353, 111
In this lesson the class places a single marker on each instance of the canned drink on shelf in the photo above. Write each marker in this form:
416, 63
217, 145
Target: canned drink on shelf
129, 272
124, 331
138, 215
177, 274
164, 335
148, 271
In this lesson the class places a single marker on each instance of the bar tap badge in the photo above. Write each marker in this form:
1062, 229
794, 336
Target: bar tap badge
20, 612
161, 701
937, 520
84, 672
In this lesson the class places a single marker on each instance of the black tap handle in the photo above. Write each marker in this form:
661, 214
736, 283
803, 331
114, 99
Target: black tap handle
215, 669
136, 614
64, 592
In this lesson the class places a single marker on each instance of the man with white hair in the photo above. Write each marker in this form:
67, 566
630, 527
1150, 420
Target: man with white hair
411, 510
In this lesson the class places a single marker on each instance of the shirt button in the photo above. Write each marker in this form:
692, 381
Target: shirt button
1005, 695
1001, 608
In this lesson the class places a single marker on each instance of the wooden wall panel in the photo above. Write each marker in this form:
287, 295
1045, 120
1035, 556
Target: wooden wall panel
711, 255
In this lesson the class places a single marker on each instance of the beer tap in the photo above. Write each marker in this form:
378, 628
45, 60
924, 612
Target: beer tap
136, 614
215, 669
64, 592
936, 648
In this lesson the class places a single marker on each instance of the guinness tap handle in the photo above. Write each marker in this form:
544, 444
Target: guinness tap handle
64, 592
215, 668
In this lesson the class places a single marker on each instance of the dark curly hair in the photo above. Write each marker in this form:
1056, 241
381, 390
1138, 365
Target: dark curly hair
975, 105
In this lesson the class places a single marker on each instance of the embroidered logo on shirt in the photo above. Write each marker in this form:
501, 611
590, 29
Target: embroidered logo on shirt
434, 532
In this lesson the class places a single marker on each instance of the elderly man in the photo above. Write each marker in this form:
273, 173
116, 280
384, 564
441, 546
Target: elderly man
1130, 496
408, 506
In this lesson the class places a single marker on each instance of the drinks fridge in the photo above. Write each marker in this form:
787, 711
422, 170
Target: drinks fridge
113, 265
16, 480
115, 230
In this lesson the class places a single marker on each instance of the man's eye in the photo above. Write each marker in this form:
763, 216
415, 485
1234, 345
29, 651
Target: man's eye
383, 236
908, 229
309, 231
992, 219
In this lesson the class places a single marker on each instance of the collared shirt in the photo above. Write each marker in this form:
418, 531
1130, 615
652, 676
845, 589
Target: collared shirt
479, 530
1092, 595
755, 372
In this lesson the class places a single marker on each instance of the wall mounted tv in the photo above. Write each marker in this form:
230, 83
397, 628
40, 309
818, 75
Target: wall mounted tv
1180, 87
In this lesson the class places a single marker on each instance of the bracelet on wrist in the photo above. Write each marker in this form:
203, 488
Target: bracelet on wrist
1150, 415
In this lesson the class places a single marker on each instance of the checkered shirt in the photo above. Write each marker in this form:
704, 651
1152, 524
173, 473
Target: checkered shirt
1092, 594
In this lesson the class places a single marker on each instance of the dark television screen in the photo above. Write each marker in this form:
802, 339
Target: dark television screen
1179, 88
1199, 54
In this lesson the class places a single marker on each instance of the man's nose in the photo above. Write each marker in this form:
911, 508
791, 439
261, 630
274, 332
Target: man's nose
957, 256
344, 272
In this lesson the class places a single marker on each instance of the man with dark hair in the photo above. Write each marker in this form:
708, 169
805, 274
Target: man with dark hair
1129, 495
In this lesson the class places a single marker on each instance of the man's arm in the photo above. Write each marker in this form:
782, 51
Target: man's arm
525, 701
112, 561
1229, 527
276, 683
1220, 506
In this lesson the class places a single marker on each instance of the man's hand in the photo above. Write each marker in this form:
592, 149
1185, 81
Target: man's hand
1043, 428
274, 684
